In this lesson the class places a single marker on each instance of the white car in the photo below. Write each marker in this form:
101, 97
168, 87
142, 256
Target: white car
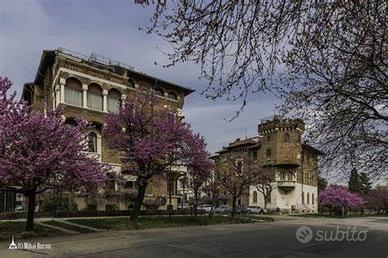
205, 207
254, 210
223, 209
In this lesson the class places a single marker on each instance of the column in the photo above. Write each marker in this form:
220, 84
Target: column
62, 93
57, 95
62, 83
84, 95
123, 98
105, 100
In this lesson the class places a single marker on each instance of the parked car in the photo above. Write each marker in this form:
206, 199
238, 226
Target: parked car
223, 209
205, 207
241, 210
185, 206
254, 210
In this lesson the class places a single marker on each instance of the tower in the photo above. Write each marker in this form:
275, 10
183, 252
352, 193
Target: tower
281, 144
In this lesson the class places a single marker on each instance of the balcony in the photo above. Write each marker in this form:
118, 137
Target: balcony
287, 185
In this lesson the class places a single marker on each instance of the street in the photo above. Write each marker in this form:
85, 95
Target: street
268, 239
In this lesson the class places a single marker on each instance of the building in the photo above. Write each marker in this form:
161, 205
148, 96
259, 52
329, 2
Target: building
90, 87
291, 165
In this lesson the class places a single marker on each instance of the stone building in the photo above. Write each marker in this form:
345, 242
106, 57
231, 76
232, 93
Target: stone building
90, 87
291, 165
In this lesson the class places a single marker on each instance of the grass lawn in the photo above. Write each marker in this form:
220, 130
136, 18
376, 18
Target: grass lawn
159, 222
7, 229
327, 215
67, 226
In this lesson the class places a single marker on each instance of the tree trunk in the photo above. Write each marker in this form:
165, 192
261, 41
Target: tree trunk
31, 210
265, 202
195, 203
139, 201
234, 199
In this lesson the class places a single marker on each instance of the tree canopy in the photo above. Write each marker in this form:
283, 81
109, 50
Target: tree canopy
326, 60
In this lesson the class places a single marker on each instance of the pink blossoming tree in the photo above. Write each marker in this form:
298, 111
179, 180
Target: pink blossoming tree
340, 198
39, 152
152, 140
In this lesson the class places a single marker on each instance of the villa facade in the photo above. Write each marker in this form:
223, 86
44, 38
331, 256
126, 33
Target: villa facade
291, 165
90, 87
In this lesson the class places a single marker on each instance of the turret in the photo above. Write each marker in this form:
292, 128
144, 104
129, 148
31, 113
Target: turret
281, 141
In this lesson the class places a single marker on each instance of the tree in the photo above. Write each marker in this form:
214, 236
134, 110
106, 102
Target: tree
326, 60
212, 189
322, 183
40, 152
365, 183
151, 139
235, 174
184, 180
354, 181
377, 199
265, 186
196, 182
339, 198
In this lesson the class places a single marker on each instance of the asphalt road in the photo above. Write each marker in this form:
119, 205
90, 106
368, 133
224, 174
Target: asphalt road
369, 238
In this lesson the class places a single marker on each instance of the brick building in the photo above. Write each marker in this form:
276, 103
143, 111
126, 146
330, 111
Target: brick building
279, 153
90, 87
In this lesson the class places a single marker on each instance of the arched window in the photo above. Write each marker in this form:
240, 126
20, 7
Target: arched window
114, 102
94, 96
172, 95
287, 137
73, 92
92, 142
70, 121
131, 84
159, 91
254, 197
269, 154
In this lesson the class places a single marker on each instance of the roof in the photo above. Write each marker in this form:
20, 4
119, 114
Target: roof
48, 58
312, 149
238, 143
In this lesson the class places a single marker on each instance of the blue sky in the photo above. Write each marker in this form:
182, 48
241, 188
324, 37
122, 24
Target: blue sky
110, 28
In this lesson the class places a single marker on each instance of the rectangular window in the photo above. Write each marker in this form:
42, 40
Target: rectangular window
312, 199
303, 197
308, 198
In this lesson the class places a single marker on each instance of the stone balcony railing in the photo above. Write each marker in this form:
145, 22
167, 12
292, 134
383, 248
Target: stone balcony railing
286, 183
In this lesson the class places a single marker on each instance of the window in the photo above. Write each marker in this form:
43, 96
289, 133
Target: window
254, 155
94, 97
268, 154
172, 95
308, 198
131, 84
114, 102
303, 197
70, 121
129, 185
312, 199
239, 167
286, 137
254, 197
159, 91
73, 92
92, 142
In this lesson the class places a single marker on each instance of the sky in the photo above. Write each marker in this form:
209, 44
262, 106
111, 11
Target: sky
111, 29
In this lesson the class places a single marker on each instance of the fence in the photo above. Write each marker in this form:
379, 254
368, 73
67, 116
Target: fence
93, 213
